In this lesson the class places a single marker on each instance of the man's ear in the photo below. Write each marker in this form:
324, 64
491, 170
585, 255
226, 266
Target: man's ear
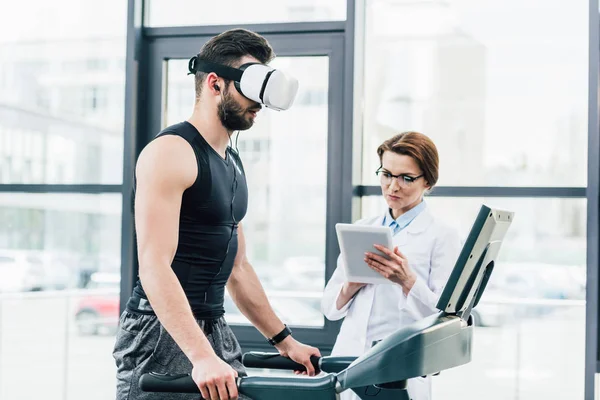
214, 84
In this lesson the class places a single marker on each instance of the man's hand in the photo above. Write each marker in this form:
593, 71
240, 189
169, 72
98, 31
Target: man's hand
215, 379
299, 352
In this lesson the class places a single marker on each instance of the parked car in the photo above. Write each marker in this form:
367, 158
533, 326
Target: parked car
99, 313
90, 264
20, 271
57, 274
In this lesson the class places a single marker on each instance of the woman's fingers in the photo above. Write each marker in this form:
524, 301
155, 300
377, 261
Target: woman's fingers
377, 257
395, 263
399, 253
384, 250
378, 267
394, 255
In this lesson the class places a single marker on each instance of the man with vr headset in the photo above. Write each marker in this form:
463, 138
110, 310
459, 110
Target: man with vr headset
190, 198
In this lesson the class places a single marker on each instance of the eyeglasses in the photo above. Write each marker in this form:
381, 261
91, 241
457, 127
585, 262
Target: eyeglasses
403, 180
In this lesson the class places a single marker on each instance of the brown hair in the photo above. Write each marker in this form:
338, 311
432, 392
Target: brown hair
420, 148
228, 47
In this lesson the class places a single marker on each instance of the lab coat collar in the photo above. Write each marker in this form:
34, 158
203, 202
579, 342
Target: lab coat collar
418, 225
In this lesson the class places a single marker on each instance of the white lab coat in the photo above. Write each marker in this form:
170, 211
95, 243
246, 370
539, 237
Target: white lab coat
431, 249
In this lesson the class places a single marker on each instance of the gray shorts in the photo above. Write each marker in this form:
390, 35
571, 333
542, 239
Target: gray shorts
143, 345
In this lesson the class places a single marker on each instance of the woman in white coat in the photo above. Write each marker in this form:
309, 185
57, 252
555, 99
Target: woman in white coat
418, 267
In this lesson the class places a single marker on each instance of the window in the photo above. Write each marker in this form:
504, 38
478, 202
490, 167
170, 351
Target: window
96, 100
310, 13
538, 285
478, 77
169, 13
278, 238
97, 64
455, 71
52, 66
313, 97
55, 246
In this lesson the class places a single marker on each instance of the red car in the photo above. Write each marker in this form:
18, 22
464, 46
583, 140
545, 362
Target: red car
98, 312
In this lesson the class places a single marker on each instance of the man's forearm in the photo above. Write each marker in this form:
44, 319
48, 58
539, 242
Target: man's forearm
248, 294
173, 311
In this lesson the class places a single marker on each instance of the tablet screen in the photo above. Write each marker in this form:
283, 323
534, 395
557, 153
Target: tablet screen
355, 241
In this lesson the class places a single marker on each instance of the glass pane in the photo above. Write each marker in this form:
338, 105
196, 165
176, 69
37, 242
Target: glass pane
285, 158
231, 12
93, 321
481, 78
56, 241
51, 247
62, 86
534, 300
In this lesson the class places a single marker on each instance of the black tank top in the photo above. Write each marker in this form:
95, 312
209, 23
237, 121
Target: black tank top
210, 212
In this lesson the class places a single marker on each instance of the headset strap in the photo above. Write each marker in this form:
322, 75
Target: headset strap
196, 64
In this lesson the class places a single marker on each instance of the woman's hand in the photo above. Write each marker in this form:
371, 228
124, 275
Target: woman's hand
395, 267
353, 287
347, 293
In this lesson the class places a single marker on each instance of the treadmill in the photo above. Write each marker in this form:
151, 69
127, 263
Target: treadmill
426, 347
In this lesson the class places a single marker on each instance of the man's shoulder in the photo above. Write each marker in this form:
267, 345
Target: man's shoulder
182, 129
174, 139
168, 154
166, 145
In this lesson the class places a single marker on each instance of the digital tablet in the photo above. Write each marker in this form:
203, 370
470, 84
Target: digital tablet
355, 241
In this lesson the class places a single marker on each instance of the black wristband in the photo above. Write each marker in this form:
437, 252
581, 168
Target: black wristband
280, 336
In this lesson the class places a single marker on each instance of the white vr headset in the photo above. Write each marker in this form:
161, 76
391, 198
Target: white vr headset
257, 82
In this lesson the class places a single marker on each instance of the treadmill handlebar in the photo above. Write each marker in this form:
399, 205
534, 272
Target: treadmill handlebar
257, 359
256, 387
162, 383
328, 364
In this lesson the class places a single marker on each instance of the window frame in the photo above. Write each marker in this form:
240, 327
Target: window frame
148, 50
